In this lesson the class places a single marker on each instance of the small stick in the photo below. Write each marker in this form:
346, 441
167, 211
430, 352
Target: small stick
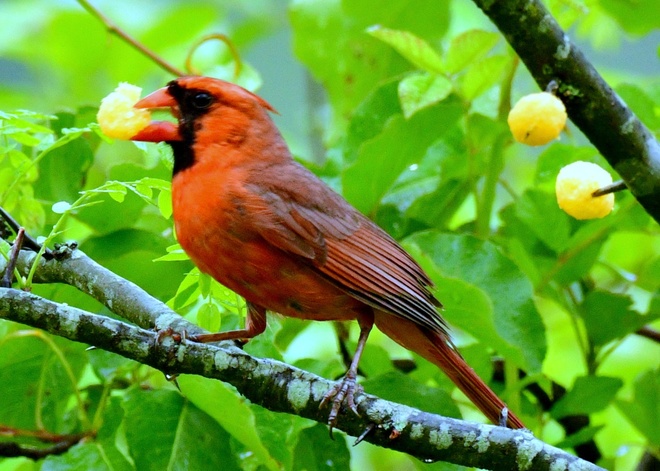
364, 434
649, 333
552, 87
611, 188
8, 277
28, 241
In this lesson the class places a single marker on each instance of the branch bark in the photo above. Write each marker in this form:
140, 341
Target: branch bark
592, 105
271, 384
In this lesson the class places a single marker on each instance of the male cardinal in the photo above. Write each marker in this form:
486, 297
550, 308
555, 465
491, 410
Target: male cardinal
267, 228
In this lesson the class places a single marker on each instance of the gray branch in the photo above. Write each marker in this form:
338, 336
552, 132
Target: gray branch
269, 383
592, 105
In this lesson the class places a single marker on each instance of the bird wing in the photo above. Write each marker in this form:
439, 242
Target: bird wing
299, 214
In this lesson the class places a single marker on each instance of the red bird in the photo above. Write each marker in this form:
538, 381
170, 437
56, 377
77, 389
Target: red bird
267, 228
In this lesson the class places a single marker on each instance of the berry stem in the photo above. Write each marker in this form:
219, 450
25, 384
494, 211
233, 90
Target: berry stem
611, 188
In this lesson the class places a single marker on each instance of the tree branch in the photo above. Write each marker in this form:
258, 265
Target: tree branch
271, 384
117, 31
119, 295
592, 105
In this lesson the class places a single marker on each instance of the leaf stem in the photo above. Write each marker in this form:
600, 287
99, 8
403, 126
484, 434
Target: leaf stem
487, 198
486, 201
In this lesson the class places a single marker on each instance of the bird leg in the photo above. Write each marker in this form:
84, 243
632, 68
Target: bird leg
346, 388
255, 324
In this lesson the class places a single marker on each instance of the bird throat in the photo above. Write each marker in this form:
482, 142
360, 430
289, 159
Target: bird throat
184, 155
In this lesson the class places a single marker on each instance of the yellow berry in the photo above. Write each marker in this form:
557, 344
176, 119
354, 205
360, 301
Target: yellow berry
537, 119
575, 184
117, 117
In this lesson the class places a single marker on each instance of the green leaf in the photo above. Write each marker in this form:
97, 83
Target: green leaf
332, 455
109, 214
417, 51
402, 143
589, 394
540, 212
116, 191
583, 248
130, 254
557, 156
165, 203
106, 364
644, 410
22, 137
483, 75
481, 264
90, 456
34, 382
230, 410
608, 316
102, 453
469, 308
403, 15
426, 209
371, 116
208, 317
279, 433
642, 104
468, 47
582, 436
441, 176
23, 165
649, 276
175, 253
420, 90
334, 46
166, 431
637, 17
144, 190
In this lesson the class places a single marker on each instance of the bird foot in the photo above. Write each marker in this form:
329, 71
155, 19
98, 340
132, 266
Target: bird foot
342, 391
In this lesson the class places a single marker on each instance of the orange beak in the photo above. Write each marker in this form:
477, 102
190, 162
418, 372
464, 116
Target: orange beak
158, 131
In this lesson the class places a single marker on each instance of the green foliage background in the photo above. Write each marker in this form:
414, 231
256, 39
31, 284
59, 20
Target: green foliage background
399, 105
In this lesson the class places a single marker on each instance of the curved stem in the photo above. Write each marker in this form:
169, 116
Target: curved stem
238, 65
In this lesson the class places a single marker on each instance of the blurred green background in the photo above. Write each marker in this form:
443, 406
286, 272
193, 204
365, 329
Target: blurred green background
558, 298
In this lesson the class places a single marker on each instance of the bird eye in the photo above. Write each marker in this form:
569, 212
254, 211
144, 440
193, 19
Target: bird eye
201, 100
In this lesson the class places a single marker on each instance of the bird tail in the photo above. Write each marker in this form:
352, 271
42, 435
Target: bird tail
434, 347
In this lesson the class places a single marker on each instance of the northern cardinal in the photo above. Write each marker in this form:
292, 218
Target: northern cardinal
267, 228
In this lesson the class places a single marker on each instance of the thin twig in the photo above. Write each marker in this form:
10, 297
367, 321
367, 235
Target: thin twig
13, 257
649, 333
28, 241
611, 188
14, 450
117, 31
43, 435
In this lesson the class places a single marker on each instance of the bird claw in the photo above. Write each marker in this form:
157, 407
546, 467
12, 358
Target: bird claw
342, 391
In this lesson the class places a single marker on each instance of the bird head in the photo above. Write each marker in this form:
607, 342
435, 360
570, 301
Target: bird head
209, 112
